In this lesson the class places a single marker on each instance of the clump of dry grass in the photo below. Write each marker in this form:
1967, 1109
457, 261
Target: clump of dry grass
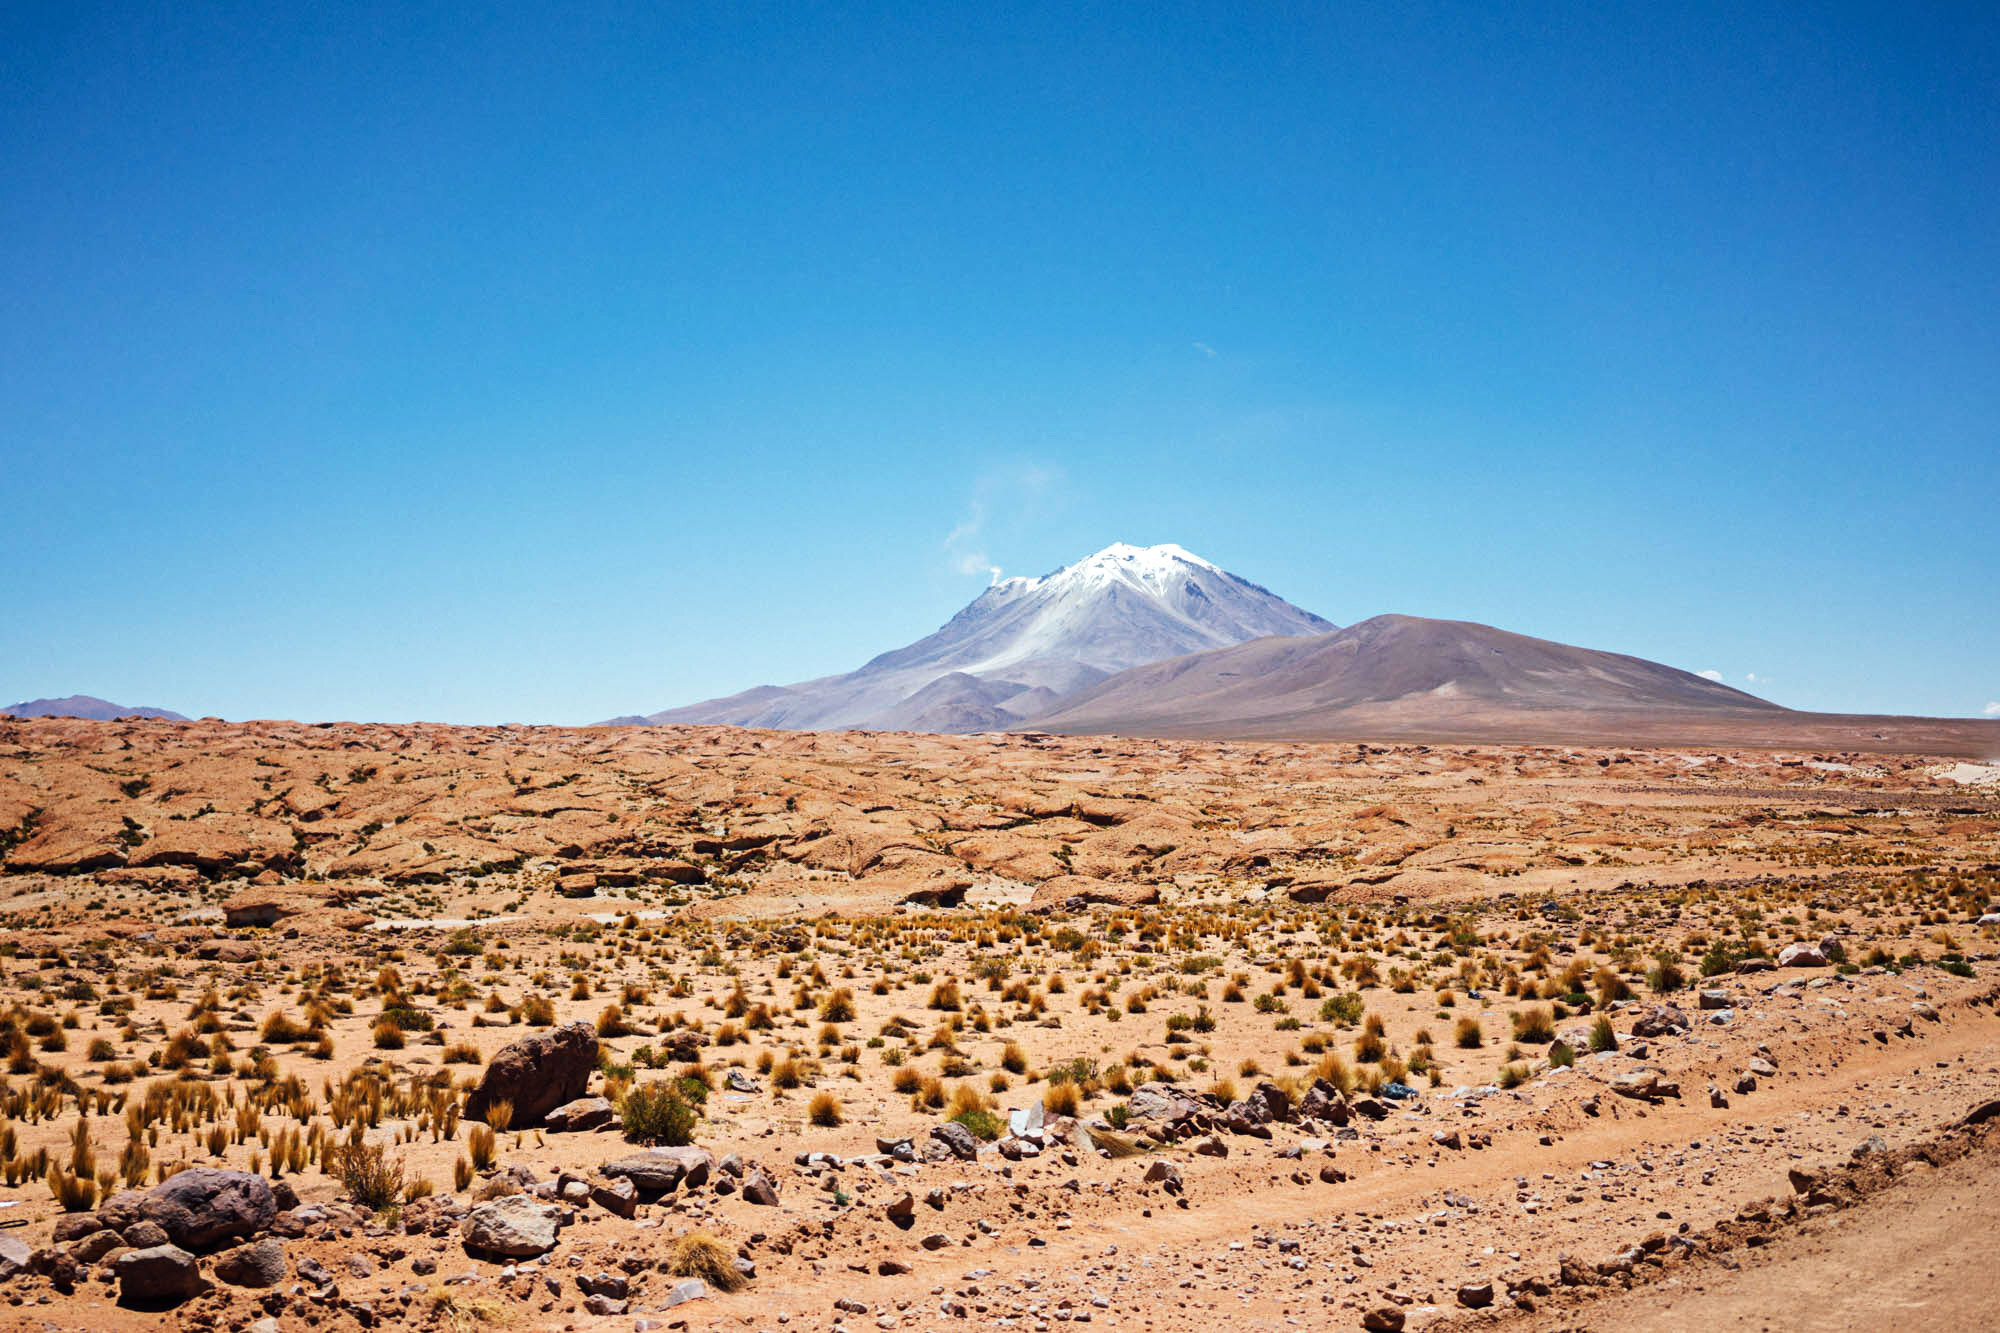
698, 1254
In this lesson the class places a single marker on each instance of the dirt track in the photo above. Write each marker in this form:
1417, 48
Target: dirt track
1917, 1256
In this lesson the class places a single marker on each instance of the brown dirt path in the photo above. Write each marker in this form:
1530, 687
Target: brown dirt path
1917, 1256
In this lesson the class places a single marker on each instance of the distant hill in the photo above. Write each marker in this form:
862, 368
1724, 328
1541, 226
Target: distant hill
1023, 644
84, 705
1408, 678
1389, 666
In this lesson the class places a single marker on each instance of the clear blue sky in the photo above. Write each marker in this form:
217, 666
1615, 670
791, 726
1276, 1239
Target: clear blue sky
540, 363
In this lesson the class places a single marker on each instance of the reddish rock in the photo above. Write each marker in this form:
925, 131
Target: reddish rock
537, 1074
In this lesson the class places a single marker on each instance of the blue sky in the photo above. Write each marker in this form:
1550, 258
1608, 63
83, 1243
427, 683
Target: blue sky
547, 363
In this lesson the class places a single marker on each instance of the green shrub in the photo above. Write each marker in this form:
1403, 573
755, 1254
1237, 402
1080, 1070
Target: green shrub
1344, 1009
983, 1124
657, 1113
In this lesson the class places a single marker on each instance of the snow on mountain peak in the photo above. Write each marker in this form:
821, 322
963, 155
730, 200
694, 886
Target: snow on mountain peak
1039, 637
1152, 567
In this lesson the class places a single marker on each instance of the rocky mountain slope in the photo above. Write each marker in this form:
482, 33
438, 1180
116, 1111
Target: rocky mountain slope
1025, 643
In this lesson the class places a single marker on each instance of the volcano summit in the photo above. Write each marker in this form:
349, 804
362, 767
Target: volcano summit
1024, 644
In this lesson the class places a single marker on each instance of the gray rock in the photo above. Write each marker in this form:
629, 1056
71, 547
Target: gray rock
1660, 1020
959, 1140
1801, 955
1161, 1101
655, 1175
259, 1265
1639, 1084
160, 1275
693, 1289
585, 1113
758, 1189
14, 1256
201, 1208
515, 1226
697, 1164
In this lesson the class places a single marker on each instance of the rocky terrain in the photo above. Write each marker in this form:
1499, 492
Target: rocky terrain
694, 1027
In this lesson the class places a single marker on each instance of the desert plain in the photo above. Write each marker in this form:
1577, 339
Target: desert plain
372, 1026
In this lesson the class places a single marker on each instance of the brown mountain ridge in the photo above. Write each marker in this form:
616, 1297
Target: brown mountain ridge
1407, 677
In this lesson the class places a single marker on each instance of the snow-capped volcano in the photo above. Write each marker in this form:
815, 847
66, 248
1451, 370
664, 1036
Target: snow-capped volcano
1026, 642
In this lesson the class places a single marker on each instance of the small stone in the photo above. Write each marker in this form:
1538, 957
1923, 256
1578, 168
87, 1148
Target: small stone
618, 1196
693, 1289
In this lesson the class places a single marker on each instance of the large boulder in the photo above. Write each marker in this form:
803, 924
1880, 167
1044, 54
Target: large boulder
537, 1074
514, 1226
162, 1275
1802, 955
201, 1208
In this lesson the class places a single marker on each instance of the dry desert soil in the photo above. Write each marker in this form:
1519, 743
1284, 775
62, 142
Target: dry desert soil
897, 1031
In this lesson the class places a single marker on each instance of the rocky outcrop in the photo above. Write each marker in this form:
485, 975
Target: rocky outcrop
1073, 893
